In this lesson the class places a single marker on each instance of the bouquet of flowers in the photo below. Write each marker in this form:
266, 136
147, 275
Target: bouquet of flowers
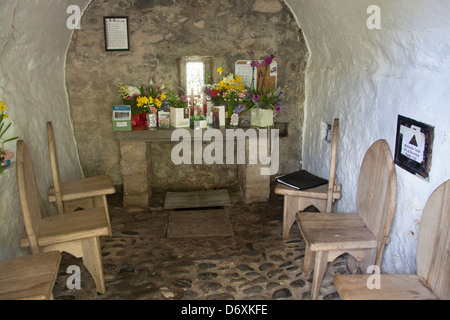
142, 100
5, 156
175, 100
262, 97
273, 99
230, 91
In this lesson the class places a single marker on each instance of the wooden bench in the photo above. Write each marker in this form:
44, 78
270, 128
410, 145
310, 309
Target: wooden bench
432, 280
30, 277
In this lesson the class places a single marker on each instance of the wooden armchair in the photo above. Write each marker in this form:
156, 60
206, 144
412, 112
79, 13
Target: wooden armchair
76, 233
432, 280
364, 234
30, 277
88, 193
321, 197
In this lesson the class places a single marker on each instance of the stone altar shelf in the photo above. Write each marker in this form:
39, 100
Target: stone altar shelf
138, 147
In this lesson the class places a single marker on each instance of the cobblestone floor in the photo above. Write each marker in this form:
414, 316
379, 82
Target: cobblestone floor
141, 263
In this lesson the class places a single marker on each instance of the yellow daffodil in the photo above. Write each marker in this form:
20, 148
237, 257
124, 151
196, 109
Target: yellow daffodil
158, 103
2, 106
238, 79
163, 96
220, 70
141, 101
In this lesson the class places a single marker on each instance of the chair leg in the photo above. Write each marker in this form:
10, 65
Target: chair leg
92, 259
308, 262
319, 271
100, 201
290, 208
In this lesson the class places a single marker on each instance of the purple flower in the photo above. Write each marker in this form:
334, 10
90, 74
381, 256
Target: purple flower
239, 108
255, 64
277, 108
256, 97
268, 60
251, 53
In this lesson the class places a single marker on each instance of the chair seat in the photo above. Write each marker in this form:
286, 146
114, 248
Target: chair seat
335, 231
319, 192
71, 226
83, 188
392, 287
30, 277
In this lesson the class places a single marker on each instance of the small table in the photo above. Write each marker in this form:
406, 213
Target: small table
30, 277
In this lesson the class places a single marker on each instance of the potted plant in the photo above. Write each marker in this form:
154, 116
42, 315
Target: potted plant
179, 109
262, 102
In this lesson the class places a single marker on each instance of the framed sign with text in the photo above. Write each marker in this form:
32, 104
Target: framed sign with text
116, 34
414, 146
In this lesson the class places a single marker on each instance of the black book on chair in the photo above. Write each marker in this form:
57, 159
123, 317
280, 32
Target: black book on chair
301, 180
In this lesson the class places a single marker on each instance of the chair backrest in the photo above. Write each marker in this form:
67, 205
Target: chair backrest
28, 194
377, 193
54, 166
332, 175
433, 244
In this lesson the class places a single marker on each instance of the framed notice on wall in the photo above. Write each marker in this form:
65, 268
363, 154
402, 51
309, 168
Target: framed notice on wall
414, 146
116, 34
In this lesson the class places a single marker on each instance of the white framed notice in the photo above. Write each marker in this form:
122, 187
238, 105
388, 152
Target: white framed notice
116, 34
248, 74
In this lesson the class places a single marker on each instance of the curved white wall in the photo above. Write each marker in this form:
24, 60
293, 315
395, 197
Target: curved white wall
367, 78
33, 45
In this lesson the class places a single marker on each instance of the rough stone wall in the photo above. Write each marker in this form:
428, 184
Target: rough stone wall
162, 32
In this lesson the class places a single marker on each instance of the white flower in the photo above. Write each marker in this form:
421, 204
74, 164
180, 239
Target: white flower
133, 90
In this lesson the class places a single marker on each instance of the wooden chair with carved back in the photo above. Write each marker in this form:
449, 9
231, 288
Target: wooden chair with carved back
432, 280
321, 197
70, 195
76, 233
363, 234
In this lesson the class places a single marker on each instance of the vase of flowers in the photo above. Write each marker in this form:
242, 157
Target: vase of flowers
5, 156
262, 102
230, 91
142, 101
179, 109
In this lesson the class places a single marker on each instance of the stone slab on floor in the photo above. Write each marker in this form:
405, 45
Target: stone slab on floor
197, 199
199, 223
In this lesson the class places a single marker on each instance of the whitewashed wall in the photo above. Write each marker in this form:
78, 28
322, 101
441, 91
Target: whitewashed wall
367, 78
33, 45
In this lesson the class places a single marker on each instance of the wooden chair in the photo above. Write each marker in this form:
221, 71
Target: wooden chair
364, 234
432, 280
321, 197
76, 233
85, 193
30, 277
